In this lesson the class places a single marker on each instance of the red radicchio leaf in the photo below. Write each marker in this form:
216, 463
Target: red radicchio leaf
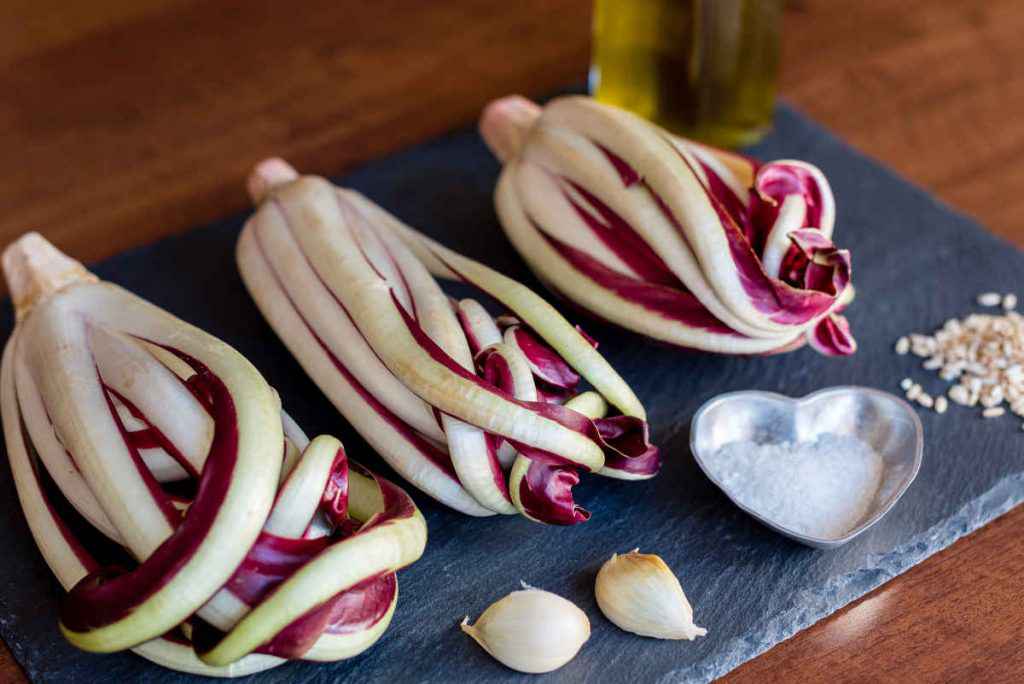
551, 394
593, 342
777, 180
671, 303
828, 269
475, 347
545, 362
566, 417
356, 608
781, 302
622, 239
106, 596
496, 371
732, 204
334, 503
832, 336
274, 559
643, 459
626, 172
270, 561
439, 457
546, 494
808, 283
150, 436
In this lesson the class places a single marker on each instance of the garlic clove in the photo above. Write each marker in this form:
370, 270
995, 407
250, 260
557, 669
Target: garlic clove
639, 593
531, 630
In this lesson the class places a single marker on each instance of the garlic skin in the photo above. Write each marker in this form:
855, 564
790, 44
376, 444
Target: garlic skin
639, 593
531, 630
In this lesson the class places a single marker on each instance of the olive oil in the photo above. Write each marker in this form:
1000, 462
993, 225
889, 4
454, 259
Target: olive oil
705, 69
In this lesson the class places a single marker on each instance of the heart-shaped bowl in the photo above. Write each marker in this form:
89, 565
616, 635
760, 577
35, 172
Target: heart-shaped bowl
885, 422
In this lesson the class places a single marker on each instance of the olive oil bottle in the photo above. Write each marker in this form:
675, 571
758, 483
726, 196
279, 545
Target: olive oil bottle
705, 69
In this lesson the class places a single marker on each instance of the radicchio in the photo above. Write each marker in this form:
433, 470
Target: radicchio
741, 258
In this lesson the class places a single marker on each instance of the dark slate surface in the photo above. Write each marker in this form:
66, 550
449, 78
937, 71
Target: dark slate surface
915, 264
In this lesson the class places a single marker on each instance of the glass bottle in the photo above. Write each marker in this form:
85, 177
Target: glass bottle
705, 69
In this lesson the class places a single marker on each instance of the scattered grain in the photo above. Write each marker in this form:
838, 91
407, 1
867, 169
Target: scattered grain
959, 395
949, 374
981, 355
992, 396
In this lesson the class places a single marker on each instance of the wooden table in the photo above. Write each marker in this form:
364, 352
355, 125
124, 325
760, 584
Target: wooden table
122, 122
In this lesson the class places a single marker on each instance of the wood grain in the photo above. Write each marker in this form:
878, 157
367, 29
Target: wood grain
954, 618
123, 122
147, 123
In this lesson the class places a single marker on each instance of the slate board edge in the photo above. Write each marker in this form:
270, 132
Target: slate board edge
17, 647
844, 590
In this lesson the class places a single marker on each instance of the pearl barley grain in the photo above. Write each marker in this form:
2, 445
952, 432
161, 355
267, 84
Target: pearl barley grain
981, 355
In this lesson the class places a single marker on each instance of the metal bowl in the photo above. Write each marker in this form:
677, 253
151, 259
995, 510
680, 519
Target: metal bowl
886, 422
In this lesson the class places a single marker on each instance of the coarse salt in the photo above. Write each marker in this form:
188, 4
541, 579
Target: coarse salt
822, 489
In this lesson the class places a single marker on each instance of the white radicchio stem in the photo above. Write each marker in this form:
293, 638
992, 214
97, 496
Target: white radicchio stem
683, 243
348, 288
104, 398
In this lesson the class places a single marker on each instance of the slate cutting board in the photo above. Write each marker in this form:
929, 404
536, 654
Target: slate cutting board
915, 264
